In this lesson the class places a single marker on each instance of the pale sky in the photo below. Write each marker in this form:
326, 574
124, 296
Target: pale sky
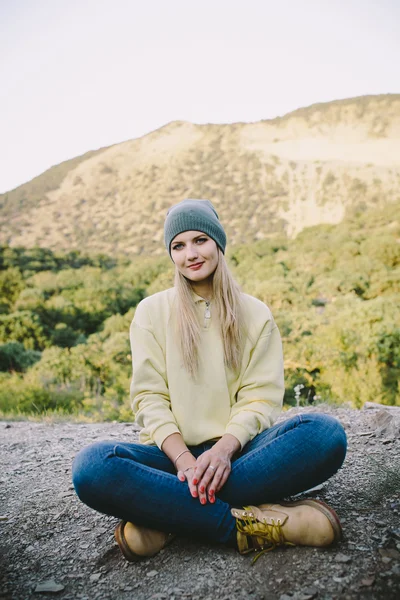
77, 75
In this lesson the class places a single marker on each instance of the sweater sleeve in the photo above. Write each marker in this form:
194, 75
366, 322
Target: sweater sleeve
260, 397
149, 389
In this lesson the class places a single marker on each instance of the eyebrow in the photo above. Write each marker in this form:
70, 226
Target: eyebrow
195, 238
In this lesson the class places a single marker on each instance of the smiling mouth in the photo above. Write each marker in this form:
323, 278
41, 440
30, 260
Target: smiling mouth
196, 266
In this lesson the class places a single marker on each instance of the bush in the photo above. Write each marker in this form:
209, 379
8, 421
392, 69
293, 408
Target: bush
21, 397
14, 357
25, 327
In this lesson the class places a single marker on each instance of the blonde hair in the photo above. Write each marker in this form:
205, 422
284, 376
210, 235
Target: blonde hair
228, 306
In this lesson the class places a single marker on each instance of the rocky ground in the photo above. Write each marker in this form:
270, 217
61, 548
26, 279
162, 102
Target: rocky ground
52, 545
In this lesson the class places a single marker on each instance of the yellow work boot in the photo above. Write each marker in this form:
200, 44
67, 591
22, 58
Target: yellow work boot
139, 542
302, 523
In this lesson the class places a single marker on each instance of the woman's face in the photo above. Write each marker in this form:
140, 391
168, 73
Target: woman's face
195, 254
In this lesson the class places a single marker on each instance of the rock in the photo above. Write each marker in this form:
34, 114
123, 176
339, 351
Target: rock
66, 494
152, 573
386, 424
389, 553
95, 577
49, 586
342, 558
376, 405
395, 532
311, 592
368, 581
380, 523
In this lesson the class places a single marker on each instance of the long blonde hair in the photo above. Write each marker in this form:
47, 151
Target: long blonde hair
228, 306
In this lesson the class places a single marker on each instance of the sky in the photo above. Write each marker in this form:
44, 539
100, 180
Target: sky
77, 75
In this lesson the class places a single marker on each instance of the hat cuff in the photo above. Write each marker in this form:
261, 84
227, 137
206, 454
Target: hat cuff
181, 223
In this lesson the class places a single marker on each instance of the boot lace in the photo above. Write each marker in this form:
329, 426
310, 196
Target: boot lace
271, 533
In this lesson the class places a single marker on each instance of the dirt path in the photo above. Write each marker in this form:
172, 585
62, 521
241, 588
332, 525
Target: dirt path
47, 534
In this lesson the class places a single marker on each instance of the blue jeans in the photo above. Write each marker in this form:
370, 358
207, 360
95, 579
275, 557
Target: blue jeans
138, 483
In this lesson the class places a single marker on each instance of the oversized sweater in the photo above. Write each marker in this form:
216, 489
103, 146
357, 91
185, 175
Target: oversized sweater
167, 400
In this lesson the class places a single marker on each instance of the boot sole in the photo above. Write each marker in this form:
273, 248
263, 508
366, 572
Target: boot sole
326, 510
123, 545
125, 549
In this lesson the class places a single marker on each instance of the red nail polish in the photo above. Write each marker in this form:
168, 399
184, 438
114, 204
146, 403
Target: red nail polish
211, 492
195, 482
202, 489
212, 500
194, 494
203, 500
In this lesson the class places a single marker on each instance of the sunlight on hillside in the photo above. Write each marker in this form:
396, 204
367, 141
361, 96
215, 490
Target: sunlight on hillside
315, 165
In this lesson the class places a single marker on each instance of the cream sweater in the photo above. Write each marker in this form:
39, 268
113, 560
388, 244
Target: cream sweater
166, 400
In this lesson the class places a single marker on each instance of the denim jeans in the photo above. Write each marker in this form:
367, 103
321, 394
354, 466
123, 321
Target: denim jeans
138, 483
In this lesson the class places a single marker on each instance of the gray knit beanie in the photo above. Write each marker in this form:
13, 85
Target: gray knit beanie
193, 215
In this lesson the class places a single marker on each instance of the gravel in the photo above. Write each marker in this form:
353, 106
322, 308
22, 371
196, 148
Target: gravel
54, 546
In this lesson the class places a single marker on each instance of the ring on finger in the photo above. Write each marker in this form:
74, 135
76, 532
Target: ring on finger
211, 467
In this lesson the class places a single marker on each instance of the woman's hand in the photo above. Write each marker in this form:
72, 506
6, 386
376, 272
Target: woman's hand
187, 475
203, 482
182, 459
213, 468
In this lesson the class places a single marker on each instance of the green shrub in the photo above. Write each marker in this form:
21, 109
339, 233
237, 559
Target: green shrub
20, 397
24, 327
14, 357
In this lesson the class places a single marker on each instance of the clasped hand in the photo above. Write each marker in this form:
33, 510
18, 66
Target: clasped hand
208, 474
203, 481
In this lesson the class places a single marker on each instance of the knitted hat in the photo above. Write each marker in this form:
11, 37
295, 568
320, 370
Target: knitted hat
193, 215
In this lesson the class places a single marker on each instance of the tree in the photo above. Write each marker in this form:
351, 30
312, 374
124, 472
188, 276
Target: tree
11, 284
24, 327
14, 357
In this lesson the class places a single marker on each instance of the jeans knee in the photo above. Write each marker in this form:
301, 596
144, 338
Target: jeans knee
330, 435
87, 468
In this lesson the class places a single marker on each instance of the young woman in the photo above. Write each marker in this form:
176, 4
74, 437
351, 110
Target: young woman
207, 387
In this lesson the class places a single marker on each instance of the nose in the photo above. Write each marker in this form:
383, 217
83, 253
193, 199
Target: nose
192, 252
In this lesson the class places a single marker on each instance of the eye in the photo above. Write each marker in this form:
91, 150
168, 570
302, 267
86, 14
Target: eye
201, 240
177, 246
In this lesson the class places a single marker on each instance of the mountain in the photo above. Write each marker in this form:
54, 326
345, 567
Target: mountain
314, 165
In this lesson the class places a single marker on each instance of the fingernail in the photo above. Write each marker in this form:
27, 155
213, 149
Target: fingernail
203, 500
194, 494
195, 482
211, 492
202, 489
212, 500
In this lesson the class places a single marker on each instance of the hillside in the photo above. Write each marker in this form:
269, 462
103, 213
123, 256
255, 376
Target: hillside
314, 165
